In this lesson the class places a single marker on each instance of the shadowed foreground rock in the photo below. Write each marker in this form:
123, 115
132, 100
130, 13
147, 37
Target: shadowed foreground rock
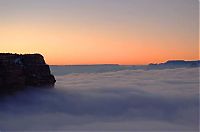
18, 71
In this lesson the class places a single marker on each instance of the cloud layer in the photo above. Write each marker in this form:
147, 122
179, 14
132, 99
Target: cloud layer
123, 100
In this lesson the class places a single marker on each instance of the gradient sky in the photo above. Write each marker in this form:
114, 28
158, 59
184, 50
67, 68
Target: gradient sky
101, 31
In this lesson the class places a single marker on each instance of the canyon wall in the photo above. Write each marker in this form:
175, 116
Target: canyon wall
19, 71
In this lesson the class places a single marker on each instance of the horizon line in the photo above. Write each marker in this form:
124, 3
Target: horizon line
100, 64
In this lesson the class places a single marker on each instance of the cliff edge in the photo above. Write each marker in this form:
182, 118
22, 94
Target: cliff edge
18, 71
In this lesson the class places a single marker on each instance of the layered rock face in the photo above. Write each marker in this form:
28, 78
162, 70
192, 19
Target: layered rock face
18, 71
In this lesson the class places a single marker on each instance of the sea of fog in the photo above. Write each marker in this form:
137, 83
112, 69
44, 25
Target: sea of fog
123, 100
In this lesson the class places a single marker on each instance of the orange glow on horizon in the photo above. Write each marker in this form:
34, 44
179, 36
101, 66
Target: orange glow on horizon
70, 45
124, 32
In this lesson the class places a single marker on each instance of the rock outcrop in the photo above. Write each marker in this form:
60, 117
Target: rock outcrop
19, 71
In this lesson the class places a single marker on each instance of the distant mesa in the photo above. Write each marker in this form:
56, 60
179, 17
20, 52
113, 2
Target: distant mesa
175, 64
19, 71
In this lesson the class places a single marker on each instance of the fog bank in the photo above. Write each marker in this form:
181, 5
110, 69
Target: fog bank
163, 100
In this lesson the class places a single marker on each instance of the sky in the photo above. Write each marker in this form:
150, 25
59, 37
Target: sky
101, 31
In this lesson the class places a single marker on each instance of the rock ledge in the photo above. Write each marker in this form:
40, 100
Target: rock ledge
18, 71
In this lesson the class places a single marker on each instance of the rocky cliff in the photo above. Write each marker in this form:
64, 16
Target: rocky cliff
18, 71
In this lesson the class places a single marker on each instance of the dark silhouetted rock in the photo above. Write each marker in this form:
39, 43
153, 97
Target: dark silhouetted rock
18, 71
